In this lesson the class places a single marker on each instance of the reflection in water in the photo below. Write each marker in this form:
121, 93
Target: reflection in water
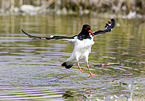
30, 69
73, 97
67, 94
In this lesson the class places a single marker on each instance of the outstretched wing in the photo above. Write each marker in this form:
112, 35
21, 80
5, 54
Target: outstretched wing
109, 26
50, 38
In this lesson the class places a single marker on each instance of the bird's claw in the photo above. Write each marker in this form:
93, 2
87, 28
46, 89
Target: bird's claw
91, 74
81, 70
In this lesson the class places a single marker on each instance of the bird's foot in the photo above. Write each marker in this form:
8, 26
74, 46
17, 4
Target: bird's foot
91, 74
81, 70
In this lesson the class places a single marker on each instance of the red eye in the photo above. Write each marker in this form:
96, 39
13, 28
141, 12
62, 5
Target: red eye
85, 28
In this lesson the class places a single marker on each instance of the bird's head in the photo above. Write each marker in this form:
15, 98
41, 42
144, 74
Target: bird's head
85, 32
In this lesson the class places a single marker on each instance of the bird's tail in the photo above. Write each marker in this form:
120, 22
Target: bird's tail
67, 64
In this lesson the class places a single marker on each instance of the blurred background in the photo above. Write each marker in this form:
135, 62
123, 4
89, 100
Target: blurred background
73, 6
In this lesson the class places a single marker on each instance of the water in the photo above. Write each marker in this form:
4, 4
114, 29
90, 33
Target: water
31, 69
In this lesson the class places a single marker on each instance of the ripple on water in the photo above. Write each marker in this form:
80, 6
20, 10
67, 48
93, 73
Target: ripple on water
27, 93
31, 69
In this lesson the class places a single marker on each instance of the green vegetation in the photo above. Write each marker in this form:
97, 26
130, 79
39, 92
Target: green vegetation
77, 6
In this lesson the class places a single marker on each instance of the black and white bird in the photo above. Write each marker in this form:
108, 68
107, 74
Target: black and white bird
82, 43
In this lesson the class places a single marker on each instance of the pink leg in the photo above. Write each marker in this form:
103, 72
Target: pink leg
79, 67
90, 74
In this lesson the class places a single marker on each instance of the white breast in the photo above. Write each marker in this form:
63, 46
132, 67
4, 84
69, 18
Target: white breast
82, 48
82, 45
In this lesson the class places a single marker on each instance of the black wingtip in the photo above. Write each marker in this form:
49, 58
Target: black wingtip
25, 32
110, 25
112, 20
30, 36
22, 31
113, 23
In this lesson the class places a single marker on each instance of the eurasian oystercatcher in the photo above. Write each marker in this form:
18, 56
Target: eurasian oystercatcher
82, 43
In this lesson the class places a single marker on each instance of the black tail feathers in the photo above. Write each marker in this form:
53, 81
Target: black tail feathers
67, 65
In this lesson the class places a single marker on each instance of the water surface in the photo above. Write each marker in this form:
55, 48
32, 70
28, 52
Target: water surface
31, 69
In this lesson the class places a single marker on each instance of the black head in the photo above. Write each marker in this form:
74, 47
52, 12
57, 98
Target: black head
84, 34
86, 27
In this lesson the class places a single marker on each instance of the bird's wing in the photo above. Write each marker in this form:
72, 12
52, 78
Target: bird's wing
109, 26
69, 39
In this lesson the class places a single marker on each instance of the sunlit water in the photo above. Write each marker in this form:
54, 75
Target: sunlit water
31, 69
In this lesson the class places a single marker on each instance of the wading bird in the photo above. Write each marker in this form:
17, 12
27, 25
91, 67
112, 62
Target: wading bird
82, 43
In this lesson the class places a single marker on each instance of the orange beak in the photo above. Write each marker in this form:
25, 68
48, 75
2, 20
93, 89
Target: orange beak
91, 33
